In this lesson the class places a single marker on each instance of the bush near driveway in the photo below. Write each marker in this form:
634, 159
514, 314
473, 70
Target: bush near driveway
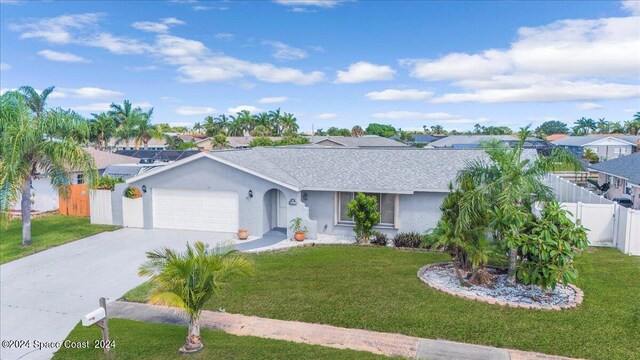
377, 288
47, 232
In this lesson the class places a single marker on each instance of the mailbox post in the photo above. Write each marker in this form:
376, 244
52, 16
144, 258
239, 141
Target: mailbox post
99, 318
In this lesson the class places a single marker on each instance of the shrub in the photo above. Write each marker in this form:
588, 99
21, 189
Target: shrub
379, 239
107, 182
364, 211
132, 193
549, 248
407, 239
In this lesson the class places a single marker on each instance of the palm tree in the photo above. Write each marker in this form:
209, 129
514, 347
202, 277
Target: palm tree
632, 127
584, 126
357, 131
189, 280
102, 129
31, 144
36, 102
437, 129
603, 126
197, 128
507, 186
289, 124
219, 141
274, 117
144, 130
127, 118
236, 127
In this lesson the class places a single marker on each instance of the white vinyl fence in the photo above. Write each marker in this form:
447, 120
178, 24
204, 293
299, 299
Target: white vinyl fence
100, 207
609, 224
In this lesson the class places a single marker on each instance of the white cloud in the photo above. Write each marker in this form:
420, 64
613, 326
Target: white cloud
542, 65
633, 111
283, 51
632, 6
314, 3
93, 93
141, 68
544, 118
157, 27
56, 30
362, 71
273, 100
196, 63
224, 37
394, 94
589, 106
325, 116
118, 45
413, 115
5, 67
195, 110
61, 56
251, 109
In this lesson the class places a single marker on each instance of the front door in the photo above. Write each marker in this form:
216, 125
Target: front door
281, 209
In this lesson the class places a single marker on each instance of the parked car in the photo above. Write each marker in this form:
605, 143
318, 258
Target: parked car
628, 203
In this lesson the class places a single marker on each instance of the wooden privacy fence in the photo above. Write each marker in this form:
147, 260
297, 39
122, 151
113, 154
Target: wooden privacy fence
77, 203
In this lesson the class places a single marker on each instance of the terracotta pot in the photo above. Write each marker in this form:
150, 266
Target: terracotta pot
300, 235
243, 234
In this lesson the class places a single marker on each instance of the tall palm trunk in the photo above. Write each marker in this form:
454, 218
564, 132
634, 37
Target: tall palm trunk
193, 342
25, 209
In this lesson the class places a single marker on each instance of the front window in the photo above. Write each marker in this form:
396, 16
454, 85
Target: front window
627, 189
386, 207
80, 179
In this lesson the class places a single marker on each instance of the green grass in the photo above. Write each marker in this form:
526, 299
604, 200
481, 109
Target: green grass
139, 340
377, 289
46, 232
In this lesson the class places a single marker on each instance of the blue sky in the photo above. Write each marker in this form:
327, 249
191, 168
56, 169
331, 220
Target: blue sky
332, 63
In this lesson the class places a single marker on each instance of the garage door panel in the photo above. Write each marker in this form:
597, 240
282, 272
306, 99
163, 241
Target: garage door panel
195, 210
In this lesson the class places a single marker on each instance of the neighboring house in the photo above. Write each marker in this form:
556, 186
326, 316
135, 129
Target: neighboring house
623, 176
242, 142
45, 197
157, 156
476, 141
153, 144
126, 171
420, 139
607, 147
367, 141
266, 188
555, 137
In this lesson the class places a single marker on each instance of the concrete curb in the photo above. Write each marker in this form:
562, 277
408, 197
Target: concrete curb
492, 301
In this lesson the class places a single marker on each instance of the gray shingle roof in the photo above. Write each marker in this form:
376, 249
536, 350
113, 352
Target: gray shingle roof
401, 170
627, 167
462, 140
364, 141
583, 140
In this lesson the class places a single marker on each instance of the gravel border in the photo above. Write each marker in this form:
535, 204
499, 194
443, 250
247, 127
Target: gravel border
579, 295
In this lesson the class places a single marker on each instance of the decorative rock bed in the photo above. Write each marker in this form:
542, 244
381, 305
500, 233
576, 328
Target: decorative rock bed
442, 277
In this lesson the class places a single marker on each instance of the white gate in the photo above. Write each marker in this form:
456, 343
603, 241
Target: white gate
132, 215
597, 218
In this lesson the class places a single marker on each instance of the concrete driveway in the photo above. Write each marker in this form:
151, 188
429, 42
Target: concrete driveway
43, 296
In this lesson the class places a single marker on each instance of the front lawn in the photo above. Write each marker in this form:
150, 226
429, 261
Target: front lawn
139, 340
377, 289
46, 232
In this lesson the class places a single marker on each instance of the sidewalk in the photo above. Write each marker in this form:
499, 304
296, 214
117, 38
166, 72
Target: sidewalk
325, 335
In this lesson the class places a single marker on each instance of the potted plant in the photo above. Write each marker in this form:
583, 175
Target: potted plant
299, 230
243, 233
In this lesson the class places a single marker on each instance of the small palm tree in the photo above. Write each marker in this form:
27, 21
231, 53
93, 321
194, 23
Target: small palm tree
189, 280
507, 185
48, 144
36, 102
357, 131
144, 130
219, 141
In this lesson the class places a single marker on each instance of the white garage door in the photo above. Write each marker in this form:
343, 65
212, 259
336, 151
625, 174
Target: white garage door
195, 210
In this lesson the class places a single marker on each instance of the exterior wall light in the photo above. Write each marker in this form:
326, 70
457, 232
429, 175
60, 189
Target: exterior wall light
250, 193
304, 196
293, 202
144, 188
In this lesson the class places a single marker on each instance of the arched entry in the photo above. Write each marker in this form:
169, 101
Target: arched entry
275, 210
132, 215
